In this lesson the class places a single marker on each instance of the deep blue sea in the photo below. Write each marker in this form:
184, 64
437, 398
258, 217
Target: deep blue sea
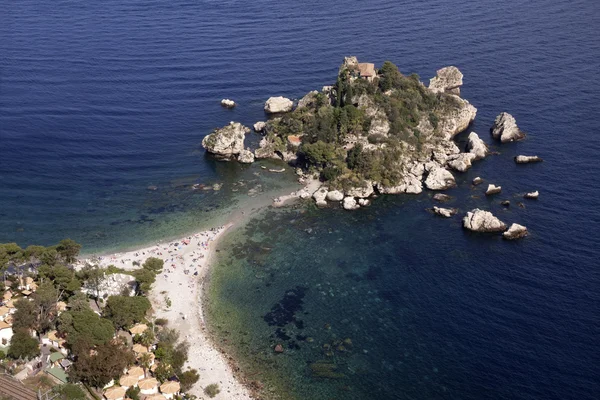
101, 100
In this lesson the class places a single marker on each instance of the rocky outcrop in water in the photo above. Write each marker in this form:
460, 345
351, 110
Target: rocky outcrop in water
227, 103
246, 156
335, 195
461, 162
445, 212
532, 195
527, 159
493, 189
441, 197
350, 203
505, 129
476, 146
439, 179
259, 127
447, 80
477, 181
482, 221
227, 142
276, 105
515, 231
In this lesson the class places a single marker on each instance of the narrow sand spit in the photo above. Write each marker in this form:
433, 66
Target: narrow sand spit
186, 265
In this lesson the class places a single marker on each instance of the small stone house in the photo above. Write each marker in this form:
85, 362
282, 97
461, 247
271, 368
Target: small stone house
367, 71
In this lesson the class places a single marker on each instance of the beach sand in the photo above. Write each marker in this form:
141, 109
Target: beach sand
187, 261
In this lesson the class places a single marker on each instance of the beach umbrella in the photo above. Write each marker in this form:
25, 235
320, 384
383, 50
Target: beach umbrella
139, 349
128, 380
137, 372
114, 393
138, 329
148, 385
170, 387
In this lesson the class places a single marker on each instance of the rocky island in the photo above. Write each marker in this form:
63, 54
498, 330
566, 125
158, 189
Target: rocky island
374, 131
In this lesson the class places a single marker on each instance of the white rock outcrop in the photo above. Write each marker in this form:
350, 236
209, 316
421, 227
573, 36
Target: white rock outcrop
515, 231
482, 221
246, 156
364, 202
461, 162
527, 159
227, 103
335, 195
259, 127
439, 179
532, 195
320, 195
505, 129
275, 105
445, 212
350, 203
226, 142
477, 181
476, 146
448, 80
456, 121
493, 189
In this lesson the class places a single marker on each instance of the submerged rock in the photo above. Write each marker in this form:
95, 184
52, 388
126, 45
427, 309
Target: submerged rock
477, 181
505, 129
448, 80
482, 221
532, 195
445, 212
279, 104
515, 231
278, 348
505, 203
527, 159
493, 189
441, 197
439, 179
226, 142
476, 146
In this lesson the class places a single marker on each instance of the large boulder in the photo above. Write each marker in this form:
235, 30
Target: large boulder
320, 196
482, 221
246, 156
226, 142
515, 231
279, 104
532, 195
335, 195
259, 127
227, 103
461, 162
505, 129
476, 146
350, 203
527, 159
439, 179
493, 189
448, 80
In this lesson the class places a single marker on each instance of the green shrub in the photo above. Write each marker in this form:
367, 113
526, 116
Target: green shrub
212, 390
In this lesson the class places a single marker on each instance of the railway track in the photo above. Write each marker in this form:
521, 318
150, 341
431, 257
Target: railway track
14, 390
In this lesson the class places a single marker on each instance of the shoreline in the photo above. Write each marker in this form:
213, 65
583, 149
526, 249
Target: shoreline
188, 262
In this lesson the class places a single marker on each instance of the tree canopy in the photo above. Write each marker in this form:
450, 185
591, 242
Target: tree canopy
100, 366
85, 327
22, 345
125, 311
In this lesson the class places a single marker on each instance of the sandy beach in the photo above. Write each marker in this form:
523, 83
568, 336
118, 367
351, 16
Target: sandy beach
187, 262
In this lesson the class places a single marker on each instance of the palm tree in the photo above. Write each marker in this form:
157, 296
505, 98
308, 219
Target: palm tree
145, 360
